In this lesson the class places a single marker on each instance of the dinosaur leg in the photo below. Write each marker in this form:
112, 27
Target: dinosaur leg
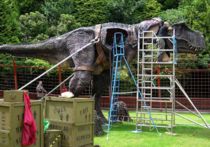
83, 61
100, 82
79, 82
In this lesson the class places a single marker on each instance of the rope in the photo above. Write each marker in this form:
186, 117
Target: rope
93, 41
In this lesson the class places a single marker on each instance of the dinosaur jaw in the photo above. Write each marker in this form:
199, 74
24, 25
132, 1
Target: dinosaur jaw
187, 47
188, 41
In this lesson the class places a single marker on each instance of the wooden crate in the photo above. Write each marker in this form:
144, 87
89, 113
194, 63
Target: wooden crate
52, 138
13, 95
11, 121
77, 110
75, 135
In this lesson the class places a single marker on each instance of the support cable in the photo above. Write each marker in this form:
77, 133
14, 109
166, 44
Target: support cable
183, 91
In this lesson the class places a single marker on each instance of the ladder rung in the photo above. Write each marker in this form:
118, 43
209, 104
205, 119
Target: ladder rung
168, 114
147, 68
156, 62
146, 81
148, 56
154, 37
162, 88
147, 93
114, 89
152, 100
153, 75
159, 126
156, 50
145, 97
146, 107
155, 119
147, 43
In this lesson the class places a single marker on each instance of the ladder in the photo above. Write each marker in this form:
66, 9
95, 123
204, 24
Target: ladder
117, 56
148, 53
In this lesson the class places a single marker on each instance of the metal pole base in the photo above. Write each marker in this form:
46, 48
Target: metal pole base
137, 131
171, 133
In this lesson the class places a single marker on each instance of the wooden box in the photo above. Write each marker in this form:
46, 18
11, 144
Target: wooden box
77, 110
14, 95
74, 135
11, 122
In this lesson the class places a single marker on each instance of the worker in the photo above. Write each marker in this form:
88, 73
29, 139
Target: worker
162, 43
40, 90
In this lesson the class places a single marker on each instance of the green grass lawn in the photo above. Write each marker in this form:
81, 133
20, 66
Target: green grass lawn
121, 135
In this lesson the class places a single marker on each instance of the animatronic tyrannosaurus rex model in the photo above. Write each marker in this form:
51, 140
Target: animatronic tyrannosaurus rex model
92, 62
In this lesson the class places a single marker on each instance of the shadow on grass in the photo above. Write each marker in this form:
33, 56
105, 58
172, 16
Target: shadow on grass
193, 131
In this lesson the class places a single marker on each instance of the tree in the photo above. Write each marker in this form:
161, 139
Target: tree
150, 9
33, 27
9, 26
174, 15
133, 11
66, 23
198, 18
27, 6
90, 12
169, 4
52, 9
196, 14
122, 10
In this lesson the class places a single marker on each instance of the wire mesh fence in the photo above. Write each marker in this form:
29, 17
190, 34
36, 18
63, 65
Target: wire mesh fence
196, 82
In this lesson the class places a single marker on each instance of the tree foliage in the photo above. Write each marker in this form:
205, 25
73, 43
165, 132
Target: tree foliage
34, 20
33, 26
52, 9
133, 11
27, 6
9, 25
90, 12
169, 4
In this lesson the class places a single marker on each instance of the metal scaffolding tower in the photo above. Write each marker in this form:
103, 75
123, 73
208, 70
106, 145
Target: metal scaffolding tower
148, 77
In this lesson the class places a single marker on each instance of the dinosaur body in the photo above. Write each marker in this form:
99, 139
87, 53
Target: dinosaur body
89, 64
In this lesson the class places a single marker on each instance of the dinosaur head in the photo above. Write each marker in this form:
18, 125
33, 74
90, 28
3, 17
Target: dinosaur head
188, 41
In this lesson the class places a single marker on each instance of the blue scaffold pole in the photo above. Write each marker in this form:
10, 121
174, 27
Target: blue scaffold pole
174, 47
